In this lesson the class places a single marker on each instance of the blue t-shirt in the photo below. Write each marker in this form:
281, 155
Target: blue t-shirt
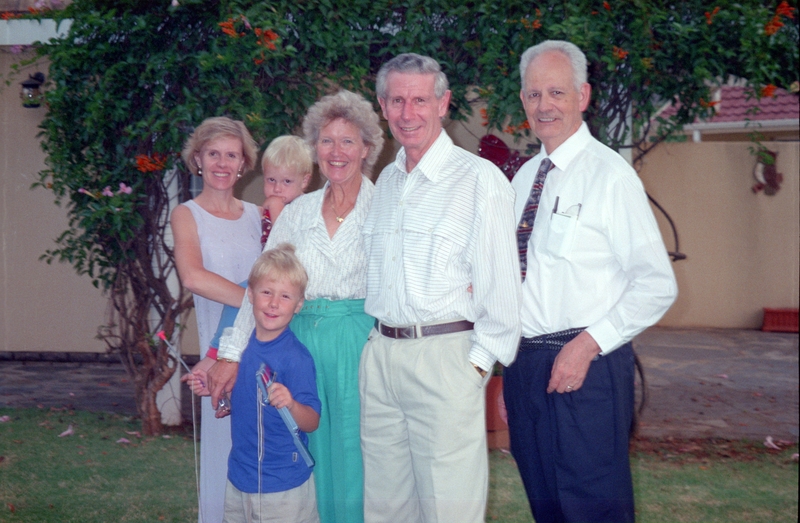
282, 467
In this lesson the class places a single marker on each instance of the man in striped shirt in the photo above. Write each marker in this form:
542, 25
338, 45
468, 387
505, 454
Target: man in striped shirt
443, 283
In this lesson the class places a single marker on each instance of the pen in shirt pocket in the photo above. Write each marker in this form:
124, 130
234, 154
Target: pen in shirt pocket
575, 210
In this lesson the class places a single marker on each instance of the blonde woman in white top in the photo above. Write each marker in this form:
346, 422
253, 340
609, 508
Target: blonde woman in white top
217, 240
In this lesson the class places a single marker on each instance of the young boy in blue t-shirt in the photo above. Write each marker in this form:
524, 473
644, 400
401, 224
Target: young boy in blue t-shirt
268, 479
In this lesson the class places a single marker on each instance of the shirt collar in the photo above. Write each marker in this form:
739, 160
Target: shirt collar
432, 160
315, 219
567, 151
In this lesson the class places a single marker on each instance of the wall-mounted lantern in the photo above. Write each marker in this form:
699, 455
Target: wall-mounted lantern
31, 94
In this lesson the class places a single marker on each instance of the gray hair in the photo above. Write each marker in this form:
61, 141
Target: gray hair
352, 108
575, 56
415, 64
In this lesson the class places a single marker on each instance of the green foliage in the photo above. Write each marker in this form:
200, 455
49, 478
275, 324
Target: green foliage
641, 56
132, 79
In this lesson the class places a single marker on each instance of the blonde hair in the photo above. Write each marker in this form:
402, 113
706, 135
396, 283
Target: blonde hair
278, 263
217, 127
290, 152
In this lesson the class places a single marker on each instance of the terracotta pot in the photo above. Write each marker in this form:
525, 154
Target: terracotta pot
495, 406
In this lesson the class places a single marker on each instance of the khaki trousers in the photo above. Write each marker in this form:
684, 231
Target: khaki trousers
297, 505
423, 431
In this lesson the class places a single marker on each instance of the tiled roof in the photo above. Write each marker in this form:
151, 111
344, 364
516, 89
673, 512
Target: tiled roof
734, 106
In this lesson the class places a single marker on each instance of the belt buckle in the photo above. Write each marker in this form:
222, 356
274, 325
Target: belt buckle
406, 333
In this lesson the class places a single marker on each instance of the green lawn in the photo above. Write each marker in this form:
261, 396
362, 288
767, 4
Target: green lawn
90, 478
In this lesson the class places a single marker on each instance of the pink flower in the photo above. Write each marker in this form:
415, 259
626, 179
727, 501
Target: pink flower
124, 189
107, 191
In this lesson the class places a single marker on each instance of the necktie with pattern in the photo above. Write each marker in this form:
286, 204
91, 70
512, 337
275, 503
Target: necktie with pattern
529, 214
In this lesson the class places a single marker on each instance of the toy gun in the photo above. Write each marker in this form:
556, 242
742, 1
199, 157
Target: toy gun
265, 377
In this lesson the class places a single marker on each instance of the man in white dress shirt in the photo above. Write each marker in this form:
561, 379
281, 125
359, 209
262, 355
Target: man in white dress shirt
597, 275
443, 283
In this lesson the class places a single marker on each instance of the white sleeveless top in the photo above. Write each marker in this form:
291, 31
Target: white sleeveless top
229, 248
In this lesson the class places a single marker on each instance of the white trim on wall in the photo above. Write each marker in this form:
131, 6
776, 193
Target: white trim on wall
26, 32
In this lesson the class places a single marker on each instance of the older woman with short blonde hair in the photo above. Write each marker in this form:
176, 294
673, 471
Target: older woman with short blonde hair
325, 226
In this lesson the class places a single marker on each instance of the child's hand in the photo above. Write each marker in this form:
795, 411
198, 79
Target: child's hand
197, 383
279, 396
275, 204
198, 378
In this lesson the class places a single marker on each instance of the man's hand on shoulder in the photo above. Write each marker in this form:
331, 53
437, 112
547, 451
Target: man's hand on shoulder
572, 364
221, 377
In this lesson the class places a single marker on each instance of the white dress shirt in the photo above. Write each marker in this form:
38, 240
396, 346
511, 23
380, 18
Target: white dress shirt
596, 258
435, 231
336, 267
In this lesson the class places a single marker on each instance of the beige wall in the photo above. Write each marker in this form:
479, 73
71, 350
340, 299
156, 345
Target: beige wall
42, 307
742, 248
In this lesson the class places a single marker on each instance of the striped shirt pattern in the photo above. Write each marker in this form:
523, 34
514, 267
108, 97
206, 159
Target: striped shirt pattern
433, 233
336, 267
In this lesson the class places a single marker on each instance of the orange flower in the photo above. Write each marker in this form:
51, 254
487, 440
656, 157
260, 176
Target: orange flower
784, 9
145, 163
266, 38
484, 117
511, 129
619, 53
773, 25
711, 15
705, 104
607, 6
8, 15
768, 91
228, 29
536, 24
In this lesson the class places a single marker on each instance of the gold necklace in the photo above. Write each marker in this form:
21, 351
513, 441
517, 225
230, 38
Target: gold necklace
339, 219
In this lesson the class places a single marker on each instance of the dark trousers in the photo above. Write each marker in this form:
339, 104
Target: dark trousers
572, 448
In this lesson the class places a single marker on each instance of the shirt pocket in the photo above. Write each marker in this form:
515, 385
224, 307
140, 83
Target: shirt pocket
561, 232
429, 252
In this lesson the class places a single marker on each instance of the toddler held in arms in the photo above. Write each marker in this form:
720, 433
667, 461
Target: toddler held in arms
287, 166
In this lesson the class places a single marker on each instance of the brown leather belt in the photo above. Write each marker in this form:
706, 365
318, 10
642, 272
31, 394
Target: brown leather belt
420, 331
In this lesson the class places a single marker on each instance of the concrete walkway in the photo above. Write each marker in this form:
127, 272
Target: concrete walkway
724, 383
